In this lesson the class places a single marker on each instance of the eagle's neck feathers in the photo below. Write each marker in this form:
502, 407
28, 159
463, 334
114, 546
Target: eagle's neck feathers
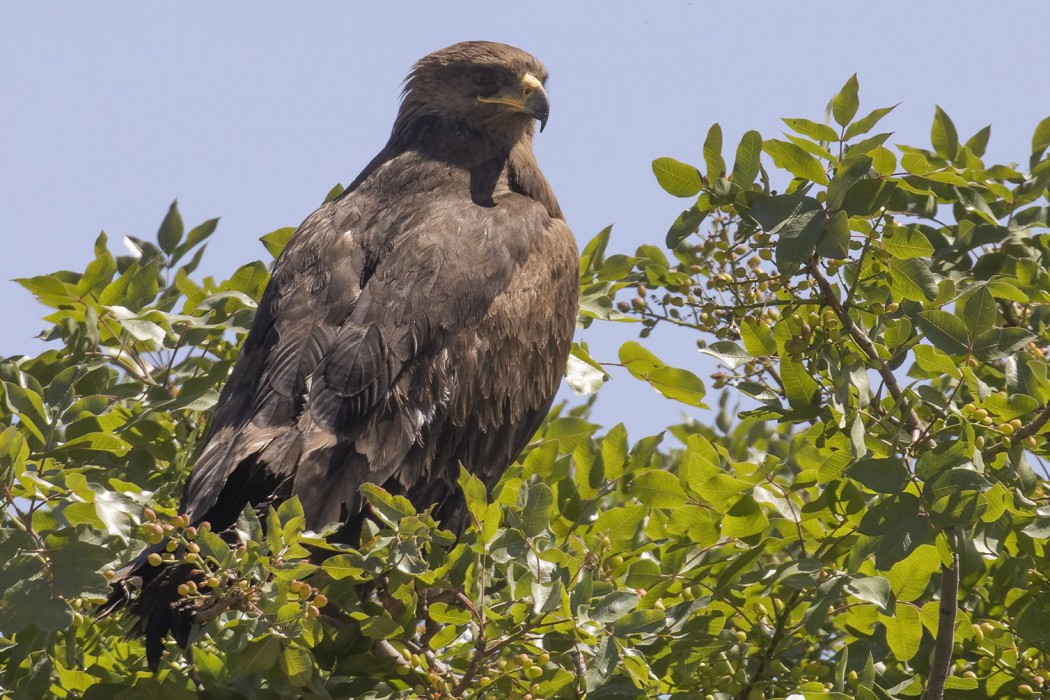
488, 157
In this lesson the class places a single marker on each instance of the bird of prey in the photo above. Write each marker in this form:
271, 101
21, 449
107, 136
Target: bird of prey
419, 321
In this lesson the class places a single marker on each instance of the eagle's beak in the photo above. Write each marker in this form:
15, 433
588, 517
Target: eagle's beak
533, 100
536, 104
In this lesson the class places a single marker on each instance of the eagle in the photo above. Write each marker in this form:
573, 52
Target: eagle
418, 322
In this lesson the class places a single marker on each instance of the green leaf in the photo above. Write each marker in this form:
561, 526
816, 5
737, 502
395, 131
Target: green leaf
757, 338
912, 279
945, 331
872, 589
29, 602
170, 233
583, 375
659, 489
99, 272
388, 506
898, 332
868, 196
342, 566
979, 141
814, 149
137, 327
1000, 342
974, 202
588, 470
1041, 136
903, 631
910, 576
799, 386
865, 124
536, 516
943, 135
728, 352
444, 637
956, 496
95, 442
820, 132
639, 622
746, 166
933, 360
716, 165
945, 456
796, 161
443, 613
76, 570
884, 475
978, 310
297, 664
1010, 407
493, 518
379, 627
593, 256
719, 489
678, 384
334, 193
615, 451
844, 105
614, 606
622, 524
135, 288
865, 147
833, 466
276, 241
687, 223
744, 519
250, 279
847, 174
259, 655
677, 178
474, 491
798, 220
637, 359
1004, 289
883, 161
906, 242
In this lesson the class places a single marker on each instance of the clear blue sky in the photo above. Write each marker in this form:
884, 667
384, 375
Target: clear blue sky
252, 111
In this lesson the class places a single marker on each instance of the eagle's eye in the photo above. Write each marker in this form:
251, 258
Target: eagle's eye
484, 78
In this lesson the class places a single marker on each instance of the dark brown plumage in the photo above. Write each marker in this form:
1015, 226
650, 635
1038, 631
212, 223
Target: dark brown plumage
419, 321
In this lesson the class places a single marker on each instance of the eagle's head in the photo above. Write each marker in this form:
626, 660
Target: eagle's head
487, 86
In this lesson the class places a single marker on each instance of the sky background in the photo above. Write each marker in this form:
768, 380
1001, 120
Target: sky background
252, 111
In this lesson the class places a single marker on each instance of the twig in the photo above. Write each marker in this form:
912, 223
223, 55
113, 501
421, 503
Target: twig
911, 418
1021, 433
416, 647
191, 669
942, 650
480, 646
766, 659
385, 648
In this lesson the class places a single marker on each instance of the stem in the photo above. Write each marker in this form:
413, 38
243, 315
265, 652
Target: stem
767, 656
1024, 431
942, 651
911, 418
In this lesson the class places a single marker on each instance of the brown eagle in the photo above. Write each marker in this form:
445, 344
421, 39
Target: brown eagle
420, 321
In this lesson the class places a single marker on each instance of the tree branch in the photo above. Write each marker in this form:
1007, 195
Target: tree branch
1021, 433
911, 418
942, 651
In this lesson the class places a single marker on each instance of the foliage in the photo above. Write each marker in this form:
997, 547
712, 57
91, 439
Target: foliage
882, 322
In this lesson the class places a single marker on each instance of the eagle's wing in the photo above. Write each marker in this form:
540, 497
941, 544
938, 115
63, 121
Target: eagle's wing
360, 293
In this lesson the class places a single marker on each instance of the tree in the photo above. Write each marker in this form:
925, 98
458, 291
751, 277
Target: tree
861, 517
